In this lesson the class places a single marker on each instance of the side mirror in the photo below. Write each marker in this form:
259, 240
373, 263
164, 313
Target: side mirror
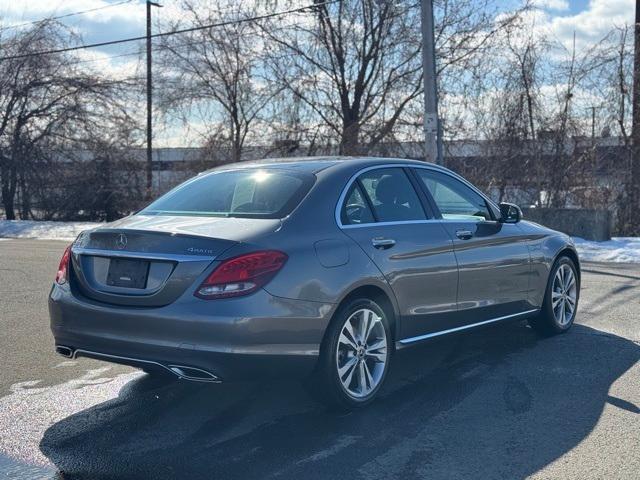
510, 213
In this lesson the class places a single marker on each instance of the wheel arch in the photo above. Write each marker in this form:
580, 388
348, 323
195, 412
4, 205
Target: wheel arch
573, 255
376, 293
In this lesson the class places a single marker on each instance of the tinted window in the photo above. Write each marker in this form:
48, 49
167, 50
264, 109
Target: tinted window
355, 210
261, 193
455, 200
391, 195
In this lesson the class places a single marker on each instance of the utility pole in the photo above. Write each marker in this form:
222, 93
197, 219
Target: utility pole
431, 121
149, 165
633, 217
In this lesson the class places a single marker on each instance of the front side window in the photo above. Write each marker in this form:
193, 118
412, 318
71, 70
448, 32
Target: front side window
391, 195
455, 200
253, 193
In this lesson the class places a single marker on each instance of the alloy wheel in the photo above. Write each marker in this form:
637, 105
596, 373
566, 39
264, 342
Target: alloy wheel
564, 294
361, 353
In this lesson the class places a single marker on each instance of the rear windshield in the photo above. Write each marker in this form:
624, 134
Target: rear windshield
255, 193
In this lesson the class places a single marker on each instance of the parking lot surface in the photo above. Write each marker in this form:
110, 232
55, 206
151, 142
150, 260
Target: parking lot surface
499, 402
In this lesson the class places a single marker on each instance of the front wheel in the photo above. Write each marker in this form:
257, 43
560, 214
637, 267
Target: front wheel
356, 355
560, 301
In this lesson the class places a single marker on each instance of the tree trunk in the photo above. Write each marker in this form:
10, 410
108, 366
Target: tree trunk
25, 194
9, 182
236, 135
236, 153
350, 138
7, 201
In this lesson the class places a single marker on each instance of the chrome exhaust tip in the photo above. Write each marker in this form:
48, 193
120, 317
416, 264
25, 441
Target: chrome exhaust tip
64, 351
194, 374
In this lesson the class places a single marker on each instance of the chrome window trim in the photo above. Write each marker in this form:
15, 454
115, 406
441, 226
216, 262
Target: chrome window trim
407, 341
383, 224
434, 168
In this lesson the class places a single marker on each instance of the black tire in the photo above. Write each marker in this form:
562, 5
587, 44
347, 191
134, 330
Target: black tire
546, 323
326, 383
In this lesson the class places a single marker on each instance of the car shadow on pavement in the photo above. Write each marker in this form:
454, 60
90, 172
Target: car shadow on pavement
499, 402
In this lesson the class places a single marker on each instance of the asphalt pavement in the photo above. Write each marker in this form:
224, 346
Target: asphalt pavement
499, 402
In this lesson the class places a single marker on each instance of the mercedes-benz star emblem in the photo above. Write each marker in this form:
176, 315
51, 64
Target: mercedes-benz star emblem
121, 241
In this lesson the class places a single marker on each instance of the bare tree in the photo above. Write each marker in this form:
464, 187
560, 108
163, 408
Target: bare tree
627, 68
356, 64
565, 165
213, 75
41, 96
510, 117
613, 85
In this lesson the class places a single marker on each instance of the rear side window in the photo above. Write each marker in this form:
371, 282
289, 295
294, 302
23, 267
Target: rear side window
455, 200
355, 210
388, 194
254, 193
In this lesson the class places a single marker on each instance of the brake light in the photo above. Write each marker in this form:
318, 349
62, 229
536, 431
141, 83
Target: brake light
241, 275
63, 269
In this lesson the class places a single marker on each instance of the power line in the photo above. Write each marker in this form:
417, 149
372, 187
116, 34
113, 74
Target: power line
73, 14
175, 32
156, 48
102, 59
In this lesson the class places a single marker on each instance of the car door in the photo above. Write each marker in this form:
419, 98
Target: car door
383, 212
493, 257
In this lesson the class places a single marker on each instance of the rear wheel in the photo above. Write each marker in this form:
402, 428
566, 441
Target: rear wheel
560, 301
355, 357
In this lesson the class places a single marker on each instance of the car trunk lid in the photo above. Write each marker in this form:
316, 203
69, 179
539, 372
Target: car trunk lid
150, 261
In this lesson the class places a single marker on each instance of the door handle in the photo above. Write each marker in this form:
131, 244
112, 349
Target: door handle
464, 234
383, 243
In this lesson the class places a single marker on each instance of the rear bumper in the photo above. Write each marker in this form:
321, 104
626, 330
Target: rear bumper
237, 338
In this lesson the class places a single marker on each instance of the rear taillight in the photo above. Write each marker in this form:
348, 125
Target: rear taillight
63, 269
241, 275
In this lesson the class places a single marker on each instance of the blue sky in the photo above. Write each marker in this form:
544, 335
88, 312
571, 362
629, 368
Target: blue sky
576, 6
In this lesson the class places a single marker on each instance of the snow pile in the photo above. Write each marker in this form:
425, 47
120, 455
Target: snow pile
618, 249
43, 230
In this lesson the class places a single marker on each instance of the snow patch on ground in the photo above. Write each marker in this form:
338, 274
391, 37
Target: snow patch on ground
43, 230
618, 249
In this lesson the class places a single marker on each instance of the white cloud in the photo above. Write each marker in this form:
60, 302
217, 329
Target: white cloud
591, 24
103, 11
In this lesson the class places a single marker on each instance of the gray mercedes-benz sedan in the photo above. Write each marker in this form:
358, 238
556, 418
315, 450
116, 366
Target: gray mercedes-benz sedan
322, 266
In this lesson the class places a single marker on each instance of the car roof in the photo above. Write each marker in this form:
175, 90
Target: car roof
317, 164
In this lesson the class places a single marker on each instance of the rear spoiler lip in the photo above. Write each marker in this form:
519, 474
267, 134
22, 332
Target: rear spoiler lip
175, 257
